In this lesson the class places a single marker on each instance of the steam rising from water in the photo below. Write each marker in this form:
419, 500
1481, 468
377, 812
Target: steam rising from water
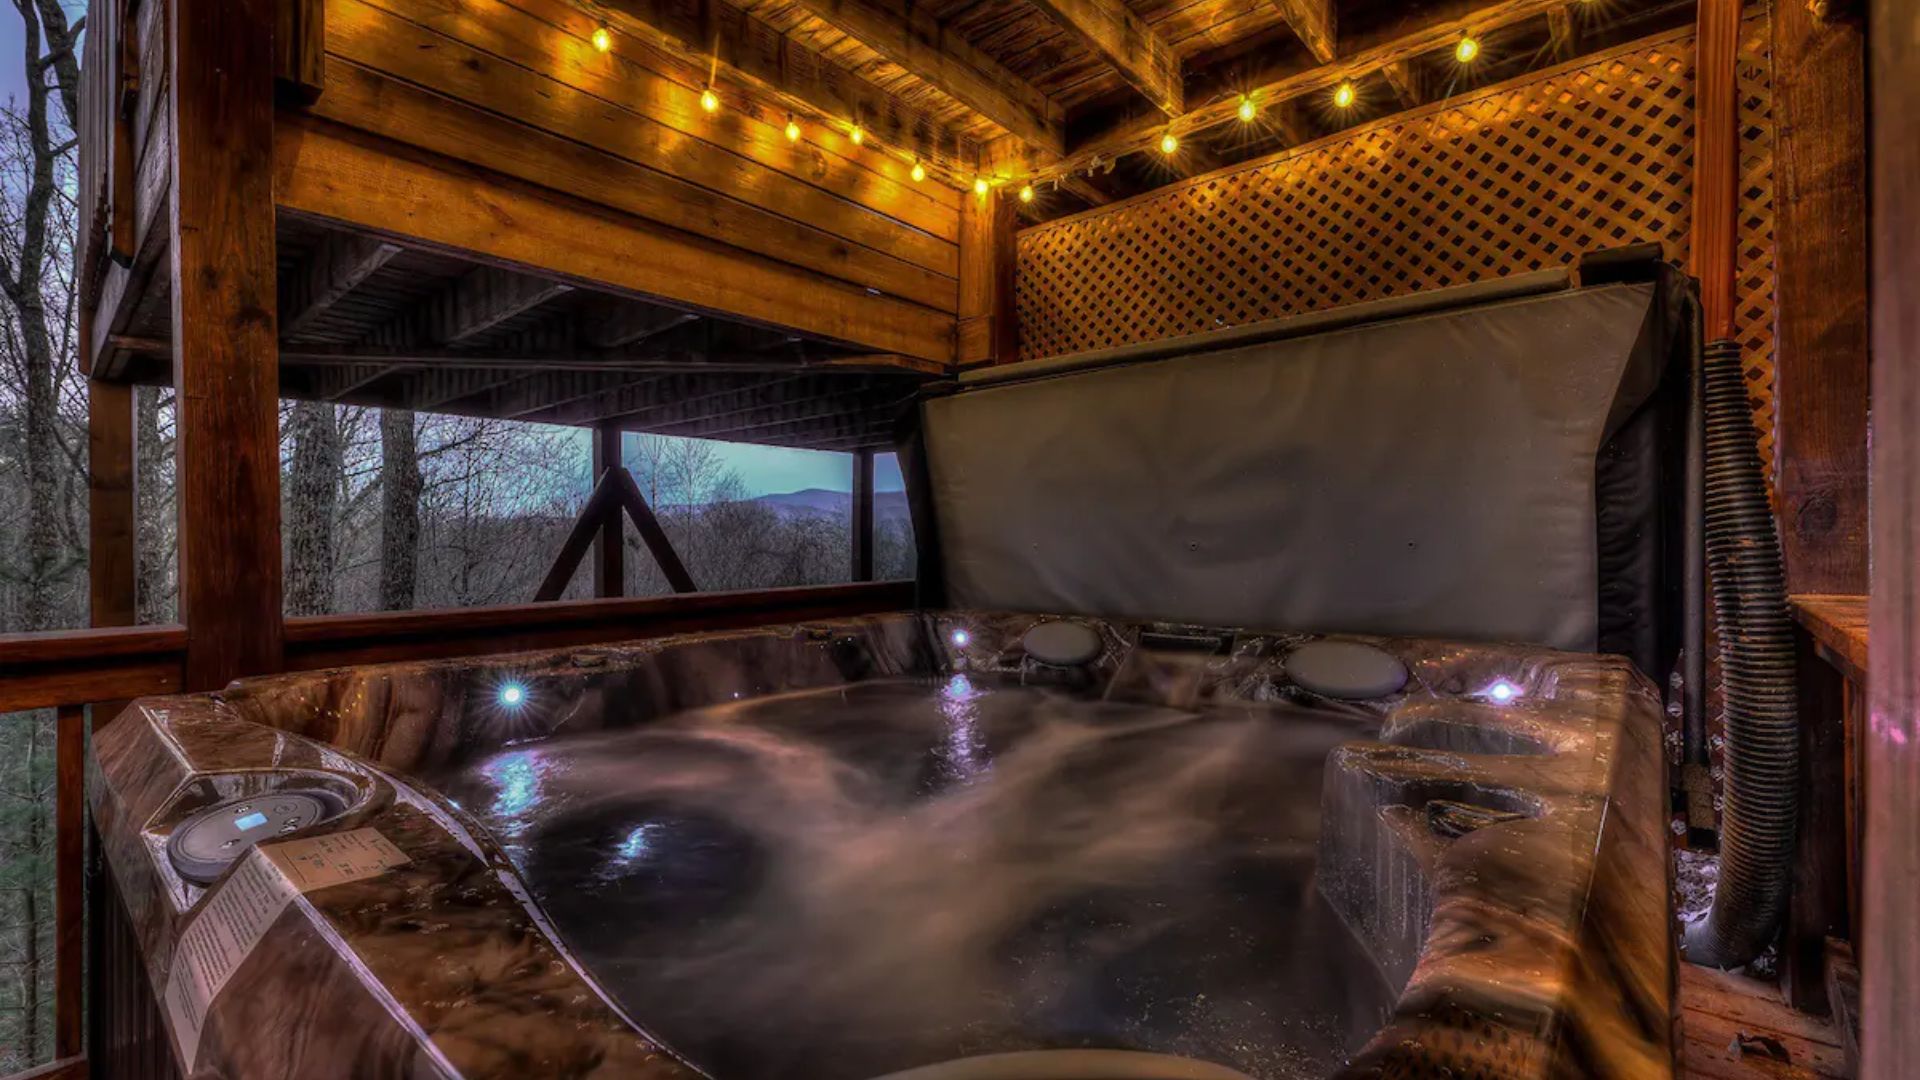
843, 883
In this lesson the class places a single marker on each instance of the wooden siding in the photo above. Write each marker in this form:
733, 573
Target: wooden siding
506, 113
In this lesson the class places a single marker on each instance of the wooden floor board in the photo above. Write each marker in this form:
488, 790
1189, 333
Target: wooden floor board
1721, 1010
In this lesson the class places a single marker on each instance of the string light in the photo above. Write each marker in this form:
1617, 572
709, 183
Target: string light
919, 172
857, 135
1248, 110
1026, 193
709, 100
979, 185
602, 38
793, 130
1169, 143
1467, 49
1343, 96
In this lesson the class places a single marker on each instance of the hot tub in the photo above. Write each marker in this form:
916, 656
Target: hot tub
841, 850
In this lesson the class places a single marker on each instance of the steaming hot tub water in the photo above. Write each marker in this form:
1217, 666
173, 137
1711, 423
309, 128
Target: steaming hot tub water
846, 882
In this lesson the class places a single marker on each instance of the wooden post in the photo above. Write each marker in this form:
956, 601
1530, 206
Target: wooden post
989, 327
112, 573
70, 844
609, 564
1716, 161
1820, 339
1820, 429
225, 373
1889, 951
862, 521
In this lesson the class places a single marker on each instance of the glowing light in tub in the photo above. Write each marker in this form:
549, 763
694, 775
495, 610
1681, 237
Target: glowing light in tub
1503, 691
516, 789
965, 741
961, 639
512, 694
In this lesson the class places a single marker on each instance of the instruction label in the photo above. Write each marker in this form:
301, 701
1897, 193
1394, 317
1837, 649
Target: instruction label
239, 912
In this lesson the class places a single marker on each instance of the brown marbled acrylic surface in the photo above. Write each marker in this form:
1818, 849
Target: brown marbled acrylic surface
1502, 860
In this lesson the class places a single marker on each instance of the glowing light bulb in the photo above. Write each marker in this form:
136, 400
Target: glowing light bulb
1248, 110
1169, 143
709, 100
857, 135
919, 172
1503, 691
979, 185
512, 694
1467, 49
961, 639
793, 130
602, 38
1026, 193
1343, 96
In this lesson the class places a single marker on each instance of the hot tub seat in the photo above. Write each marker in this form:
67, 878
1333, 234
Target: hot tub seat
1501, 858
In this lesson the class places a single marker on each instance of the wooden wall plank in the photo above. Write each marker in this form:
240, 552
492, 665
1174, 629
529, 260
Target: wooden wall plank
1889, 950
1820, 343
906, 263
549, 37
225, 365
328, 172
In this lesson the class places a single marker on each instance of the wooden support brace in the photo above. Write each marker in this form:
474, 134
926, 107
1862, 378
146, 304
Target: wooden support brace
614, 493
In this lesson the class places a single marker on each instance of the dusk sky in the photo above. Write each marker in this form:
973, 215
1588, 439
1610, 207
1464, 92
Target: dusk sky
766, 470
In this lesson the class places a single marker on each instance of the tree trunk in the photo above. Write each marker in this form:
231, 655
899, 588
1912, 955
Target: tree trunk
153, 509
399, 510
312, 495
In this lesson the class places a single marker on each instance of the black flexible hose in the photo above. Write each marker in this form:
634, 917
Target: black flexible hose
1757, 680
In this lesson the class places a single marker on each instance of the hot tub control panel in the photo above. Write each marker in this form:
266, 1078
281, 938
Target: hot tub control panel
205, 844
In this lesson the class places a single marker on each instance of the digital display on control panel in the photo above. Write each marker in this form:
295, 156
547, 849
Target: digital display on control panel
251, 821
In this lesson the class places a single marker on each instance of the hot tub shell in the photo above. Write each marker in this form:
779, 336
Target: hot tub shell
1505, 860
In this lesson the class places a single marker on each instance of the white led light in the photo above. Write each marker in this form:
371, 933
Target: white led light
1503, 691
961, 638
512, 694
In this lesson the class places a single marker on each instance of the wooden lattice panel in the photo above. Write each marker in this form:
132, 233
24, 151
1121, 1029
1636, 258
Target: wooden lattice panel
1517, 177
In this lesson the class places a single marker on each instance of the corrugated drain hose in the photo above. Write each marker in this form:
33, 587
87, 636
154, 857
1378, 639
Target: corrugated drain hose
1757, 680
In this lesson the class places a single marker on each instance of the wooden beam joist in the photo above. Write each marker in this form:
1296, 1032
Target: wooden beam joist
1408, 81
1143, 132
483, 299
918, 42
1127, 44
343, 261
615, 323
1314, 23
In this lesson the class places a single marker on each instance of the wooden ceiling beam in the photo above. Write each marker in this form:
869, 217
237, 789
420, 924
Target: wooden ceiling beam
918, 42
1408, 82
613, 323
484, 298
343, 261
1314, 23
1128, 45
1140, 133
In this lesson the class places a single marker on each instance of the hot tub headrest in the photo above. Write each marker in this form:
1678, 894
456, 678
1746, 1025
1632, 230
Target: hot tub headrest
1498, 468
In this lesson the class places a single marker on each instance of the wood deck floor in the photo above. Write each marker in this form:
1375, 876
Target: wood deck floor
1720, 1009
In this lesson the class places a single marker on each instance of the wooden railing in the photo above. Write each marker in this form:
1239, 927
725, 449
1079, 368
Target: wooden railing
75, 671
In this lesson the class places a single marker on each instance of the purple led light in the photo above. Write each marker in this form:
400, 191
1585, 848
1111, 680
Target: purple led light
1503, 691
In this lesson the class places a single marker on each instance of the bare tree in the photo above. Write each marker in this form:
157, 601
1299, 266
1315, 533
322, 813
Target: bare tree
313, 490
399, 510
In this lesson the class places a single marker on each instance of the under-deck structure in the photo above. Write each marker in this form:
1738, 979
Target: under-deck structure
780, 221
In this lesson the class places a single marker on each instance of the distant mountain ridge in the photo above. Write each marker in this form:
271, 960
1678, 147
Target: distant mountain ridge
887, 505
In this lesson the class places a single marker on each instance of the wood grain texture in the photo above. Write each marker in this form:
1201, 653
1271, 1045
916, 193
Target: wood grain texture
1889, 950
989, 328
300, 47
917, 42
1820, 357
1839, 624
76, 667
69, 909
226, 372
111, 520
328, 172
342, 263
1718, 1009
1138, 134
1817, 904
1127, 44
1716, 162
1315, 23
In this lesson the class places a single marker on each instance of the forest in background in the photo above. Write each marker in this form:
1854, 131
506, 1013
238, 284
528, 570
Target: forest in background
381, 509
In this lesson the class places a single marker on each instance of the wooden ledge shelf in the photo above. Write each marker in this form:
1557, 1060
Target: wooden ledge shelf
1838, 625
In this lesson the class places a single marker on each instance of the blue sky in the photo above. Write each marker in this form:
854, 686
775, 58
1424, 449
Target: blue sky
13, 70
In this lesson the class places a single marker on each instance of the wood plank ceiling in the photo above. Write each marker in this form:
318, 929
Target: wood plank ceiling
1075, 96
